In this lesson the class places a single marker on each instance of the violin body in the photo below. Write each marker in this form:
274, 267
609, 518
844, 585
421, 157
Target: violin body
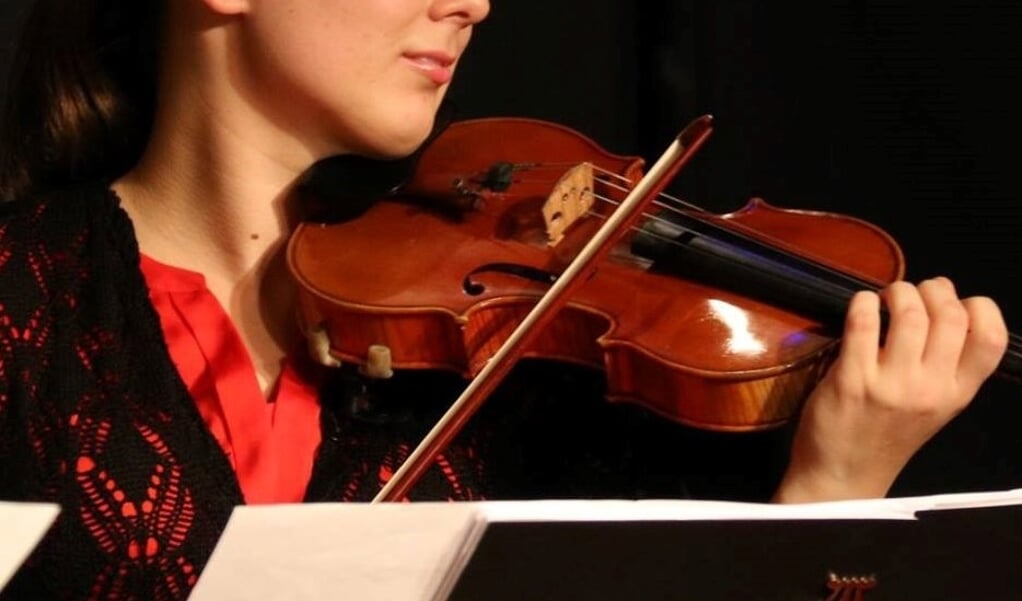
429, 282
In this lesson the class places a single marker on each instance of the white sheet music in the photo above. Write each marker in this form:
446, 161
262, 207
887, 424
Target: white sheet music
316, 552
904, 508
22, 525
416, 551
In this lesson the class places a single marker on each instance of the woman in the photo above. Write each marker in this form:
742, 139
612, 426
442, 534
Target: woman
148, 377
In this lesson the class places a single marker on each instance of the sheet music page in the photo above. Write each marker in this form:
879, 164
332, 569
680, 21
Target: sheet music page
969, 500
22, 526
671, 510
897, 508
313, 552
417, 551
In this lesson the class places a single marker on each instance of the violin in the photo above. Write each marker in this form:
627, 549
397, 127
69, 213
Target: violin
722, 322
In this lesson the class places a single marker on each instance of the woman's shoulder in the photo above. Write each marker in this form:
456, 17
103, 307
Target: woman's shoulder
52, 208
50, 236
56, 221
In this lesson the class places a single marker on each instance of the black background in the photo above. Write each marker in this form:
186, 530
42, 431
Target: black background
903, 113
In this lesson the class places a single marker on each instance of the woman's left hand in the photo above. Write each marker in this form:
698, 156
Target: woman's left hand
877, 405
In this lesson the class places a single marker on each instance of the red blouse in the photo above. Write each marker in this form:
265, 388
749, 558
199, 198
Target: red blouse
270, 442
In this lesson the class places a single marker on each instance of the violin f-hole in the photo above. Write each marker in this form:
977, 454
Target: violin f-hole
533, 274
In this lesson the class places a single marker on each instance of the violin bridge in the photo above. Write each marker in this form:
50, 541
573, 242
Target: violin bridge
571, 198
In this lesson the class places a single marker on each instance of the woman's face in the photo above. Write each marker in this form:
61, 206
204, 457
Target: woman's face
363, 76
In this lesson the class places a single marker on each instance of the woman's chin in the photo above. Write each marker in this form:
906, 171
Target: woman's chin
391, 138
402, 144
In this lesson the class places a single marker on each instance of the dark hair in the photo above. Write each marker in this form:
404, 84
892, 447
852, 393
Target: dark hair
81, 93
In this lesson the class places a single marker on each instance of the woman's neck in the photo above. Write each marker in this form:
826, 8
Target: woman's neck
205, 199
192, 208
211, 192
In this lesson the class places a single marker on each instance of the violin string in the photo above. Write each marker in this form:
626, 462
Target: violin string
681, 207
1014, 340
805, 259
743, 232
678, 206
736, 229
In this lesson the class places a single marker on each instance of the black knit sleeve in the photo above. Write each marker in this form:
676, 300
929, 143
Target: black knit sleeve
23, 332
93, 415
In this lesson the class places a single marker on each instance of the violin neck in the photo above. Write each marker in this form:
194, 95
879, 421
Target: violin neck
701, 251
693, 249
1011, 364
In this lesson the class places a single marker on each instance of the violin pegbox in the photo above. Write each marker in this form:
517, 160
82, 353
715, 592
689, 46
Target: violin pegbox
571, 198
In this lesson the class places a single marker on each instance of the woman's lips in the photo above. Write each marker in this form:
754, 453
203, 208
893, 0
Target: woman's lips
437, 66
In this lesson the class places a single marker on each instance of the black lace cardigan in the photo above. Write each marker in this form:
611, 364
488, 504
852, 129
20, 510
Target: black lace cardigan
94, 416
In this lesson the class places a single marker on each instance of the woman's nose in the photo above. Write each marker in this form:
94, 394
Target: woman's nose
468, 12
